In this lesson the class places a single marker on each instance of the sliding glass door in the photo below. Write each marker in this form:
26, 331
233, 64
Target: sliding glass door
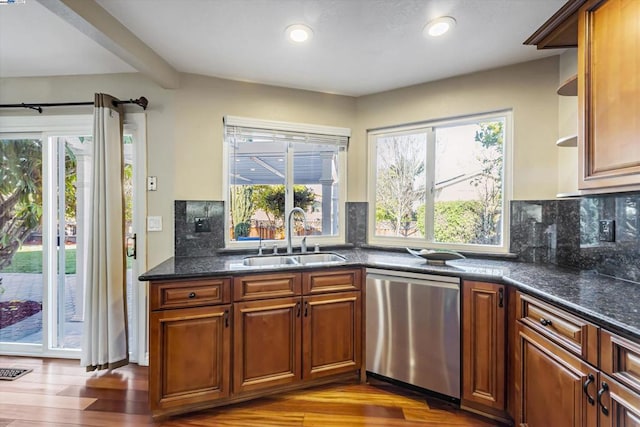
21, 240
44, 200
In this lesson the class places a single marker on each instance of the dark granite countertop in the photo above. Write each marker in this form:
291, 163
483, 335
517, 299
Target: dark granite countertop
609, 302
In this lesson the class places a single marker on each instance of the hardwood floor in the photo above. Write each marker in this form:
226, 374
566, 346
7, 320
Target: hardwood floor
59, 393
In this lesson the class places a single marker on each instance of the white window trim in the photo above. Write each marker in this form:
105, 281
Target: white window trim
373, 134
286, 126
338, 239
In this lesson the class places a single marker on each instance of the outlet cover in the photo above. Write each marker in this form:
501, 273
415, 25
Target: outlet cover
606, 230
202, 225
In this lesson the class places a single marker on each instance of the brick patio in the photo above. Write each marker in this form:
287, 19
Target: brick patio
28, 286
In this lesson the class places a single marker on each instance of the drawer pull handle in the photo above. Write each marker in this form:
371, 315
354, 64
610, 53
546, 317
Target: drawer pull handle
306, 308
585, 388
226, 318
298, 309
501, 297
192, 294
603, 390
545, 322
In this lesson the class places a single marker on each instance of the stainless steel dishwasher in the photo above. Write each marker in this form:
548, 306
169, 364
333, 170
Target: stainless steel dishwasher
413, 329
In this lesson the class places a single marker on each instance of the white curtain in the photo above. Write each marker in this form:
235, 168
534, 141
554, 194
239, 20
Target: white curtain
105, 343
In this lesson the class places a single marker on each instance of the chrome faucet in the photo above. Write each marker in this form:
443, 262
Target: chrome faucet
289, 233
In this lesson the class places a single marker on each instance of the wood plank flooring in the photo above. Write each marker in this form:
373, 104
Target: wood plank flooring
59, 393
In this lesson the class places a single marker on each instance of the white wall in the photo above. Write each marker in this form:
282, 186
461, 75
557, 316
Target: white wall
529, 89
184, 126
201, 104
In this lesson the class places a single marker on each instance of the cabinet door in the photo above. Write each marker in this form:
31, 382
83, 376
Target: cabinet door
190, 352
609, 93
618, 405
554, 387
332, 330
483, 344
267, 343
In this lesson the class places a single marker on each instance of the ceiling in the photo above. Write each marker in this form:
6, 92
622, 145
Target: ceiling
359, 47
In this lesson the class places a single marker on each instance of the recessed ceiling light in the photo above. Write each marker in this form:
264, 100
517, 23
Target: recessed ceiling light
438, 26
299, 33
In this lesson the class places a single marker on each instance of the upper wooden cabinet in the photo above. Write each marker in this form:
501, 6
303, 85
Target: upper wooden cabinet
609, 94
607, 35
561, 30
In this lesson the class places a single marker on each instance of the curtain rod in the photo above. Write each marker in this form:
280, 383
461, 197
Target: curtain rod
142, 102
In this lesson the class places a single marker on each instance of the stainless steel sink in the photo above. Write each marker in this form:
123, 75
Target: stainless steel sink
314, 258
257, 261
288, 260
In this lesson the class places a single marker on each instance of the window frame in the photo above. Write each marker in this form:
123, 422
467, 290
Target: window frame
272, 125
430, 127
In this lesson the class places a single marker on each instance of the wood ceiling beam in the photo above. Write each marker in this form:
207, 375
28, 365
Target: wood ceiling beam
92, 20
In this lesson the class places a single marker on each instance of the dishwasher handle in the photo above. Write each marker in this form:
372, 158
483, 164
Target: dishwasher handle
414, 280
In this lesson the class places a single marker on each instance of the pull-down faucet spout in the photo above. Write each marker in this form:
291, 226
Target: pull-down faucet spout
289, 232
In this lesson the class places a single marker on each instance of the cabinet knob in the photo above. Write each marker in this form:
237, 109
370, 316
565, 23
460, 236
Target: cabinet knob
545, 322
192, 294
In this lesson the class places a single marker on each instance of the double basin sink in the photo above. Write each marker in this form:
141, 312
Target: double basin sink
309, 259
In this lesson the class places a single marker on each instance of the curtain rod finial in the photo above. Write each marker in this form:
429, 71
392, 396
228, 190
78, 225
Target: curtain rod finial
143, 102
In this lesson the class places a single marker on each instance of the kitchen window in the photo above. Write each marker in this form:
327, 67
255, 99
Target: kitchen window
442, 185
273, 167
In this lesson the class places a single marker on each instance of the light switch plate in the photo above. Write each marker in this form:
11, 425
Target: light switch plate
152, 183
154, 223
606, 230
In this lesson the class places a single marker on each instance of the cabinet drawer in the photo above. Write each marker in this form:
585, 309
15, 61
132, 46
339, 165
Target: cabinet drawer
573, 333
192, 293
332, 281
620, 358
262, 286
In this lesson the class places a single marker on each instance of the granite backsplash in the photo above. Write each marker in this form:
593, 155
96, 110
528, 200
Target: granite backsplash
199, 227
562, 232
565, 232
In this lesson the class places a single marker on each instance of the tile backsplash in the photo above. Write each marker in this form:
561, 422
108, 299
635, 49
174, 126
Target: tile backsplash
199, 227
565, 232
357, 216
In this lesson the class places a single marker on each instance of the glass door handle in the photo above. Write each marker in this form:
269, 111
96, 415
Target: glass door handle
131, 246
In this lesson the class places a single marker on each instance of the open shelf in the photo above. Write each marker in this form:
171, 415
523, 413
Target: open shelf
569, 87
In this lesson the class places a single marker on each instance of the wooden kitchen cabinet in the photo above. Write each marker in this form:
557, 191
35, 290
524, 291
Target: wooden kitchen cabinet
609, 94
284, 340
484, 363
218, 341
267, 344
190, 357
619, 402
570, 332
189, 343
555, 387
321, 282
332, 332
619, 406
607, 35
